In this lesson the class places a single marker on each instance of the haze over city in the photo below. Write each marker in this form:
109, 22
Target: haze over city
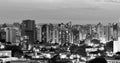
57, 11
59, 31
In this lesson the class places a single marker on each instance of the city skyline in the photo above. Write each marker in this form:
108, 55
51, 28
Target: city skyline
64, 22
59, 31
57, 11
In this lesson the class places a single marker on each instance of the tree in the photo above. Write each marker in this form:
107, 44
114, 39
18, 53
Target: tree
109, 46
8, 43
118, 53
82, 42
16, 50
55, 59
2, 40
98, 60
95, 41
37, 42
98, 51
4, 25
78, 50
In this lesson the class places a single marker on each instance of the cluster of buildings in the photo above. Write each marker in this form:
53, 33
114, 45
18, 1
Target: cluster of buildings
59, 33
28, 33
68, 33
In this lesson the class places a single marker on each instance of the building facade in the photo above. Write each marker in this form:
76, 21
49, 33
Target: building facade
29, 29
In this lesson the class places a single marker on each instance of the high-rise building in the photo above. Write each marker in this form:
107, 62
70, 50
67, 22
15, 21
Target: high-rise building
39, 32
11, 34
75, 30
100, 30
115, 31
29, 29
119, 29
44, 33
50, 31
71, 36
106, 33
116, 46
94, 33
110, 32
82, 33
63, 36
8, 34
89, 32
0, 26
64, 33
2, 35
55, 33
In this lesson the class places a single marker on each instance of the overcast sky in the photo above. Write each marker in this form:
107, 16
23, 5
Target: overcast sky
57, 11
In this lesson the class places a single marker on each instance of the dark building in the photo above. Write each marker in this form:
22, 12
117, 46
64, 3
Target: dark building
64, 33
44, 33
115, 31
75, 31
63, 36
2, 35
29, 29
50, 32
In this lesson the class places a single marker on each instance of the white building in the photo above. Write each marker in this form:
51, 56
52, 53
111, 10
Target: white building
39, 32
11, 34
6, 53
116, 46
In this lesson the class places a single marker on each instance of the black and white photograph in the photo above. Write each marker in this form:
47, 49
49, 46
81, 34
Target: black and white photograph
59, 31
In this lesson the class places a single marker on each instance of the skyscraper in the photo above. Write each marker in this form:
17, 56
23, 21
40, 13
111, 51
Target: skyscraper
29, 29
75, 30
50, 31
44, 33
110, 32
119, 29
55, 33
39, 32
100, 30
11, 34
2, 35
106, 33
115, 31
64, 34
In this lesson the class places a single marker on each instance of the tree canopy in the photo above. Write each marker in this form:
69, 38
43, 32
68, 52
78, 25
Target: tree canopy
78, 50
95, 41
109, 46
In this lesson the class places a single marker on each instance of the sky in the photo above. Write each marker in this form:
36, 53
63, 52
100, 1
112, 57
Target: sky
57, 11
